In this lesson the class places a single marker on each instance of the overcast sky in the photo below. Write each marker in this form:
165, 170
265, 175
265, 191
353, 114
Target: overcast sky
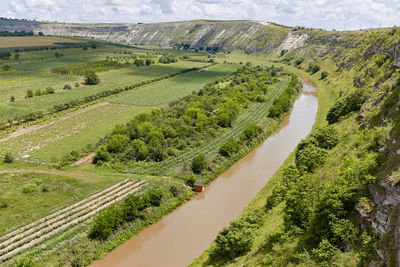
328, 14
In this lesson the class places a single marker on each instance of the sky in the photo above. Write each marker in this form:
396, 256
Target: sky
326, 14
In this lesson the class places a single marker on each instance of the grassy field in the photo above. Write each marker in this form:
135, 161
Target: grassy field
173, 89
24, 41
61, 136
17, 85
30, 196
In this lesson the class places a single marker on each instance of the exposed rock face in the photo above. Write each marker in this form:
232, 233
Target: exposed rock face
250, 36
396, 61
293, 40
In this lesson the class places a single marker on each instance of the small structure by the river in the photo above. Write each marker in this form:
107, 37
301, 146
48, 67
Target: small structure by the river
198, 186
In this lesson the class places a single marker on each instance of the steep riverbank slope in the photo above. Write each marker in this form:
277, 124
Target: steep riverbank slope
335, 202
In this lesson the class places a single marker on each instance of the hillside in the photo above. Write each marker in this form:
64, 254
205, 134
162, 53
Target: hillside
335, 200
250, 36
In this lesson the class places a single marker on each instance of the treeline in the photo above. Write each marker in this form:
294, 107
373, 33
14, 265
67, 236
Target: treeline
167, 59
187, 122
96, 66
283, 103
133, 207
16, 33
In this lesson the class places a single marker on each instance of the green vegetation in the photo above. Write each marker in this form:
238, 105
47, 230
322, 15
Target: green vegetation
91, 78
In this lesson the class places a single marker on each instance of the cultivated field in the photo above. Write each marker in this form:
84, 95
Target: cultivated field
24, 41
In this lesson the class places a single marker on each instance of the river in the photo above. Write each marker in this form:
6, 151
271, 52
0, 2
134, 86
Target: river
185, 233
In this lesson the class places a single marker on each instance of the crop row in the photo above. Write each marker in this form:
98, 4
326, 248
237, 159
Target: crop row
34, 233
253, 115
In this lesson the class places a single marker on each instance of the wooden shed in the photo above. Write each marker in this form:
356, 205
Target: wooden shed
198, 186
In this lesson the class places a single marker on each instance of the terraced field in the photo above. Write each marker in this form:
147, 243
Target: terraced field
62, 135
40, 230
22, 41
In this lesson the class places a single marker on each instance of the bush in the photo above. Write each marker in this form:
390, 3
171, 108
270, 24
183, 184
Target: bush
91, 78
229, 147
29, 93
310, 157
50, 90
67, 86
5, 67
76, 84
117, 143
198, 163
252, 131
324, 74
313, 68
8, 158
102, 155
299, 61
140, 150
327, 137
174, 190
155, 196
12, 98
345, 105
106, 222
30, 188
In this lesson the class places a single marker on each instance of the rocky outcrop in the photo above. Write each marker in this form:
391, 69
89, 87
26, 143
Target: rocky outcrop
396, 61
293, 40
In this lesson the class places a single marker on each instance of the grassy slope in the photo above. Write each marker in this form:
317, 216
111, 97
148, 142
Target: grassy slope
353, 141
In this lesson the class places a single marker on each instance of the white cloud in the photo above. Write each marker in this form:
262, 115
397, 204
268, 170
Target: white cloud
339, 14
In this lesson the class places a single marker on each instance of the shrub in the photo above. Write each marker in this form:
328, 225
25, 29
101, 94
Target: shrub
310, 157
174, 190
140, 150
102, 155
198, 163
106, 222
30, 188
155, 196
29, 93
5, 67
345, 105
67, 86
91, 78
117, 143
229, 147
76, 84
252, 131
313, 68
327, 137
299, 61
8, 158
12, 98
324, 74
50, 90
38, 92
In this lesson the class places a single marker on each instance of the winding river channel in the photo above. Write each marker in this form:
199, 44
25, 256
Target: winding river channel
185, 233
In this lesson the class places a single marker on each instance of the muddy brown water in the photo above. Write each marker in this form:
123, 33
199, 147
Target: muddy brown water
185, 233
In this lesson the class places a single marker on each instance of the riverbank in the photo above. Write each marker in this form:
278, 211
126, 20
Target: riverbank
272, 220
194, 225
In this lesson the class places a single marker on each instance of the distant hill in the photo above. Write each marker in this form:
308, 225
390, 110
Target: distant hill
250, 36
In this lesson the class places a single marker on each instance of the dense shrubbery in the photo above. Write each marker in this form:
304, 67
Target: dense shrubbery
82, 68
237, 238
8, 158
132, 208
16, 33
191, 120
229, 147
91, 78
198, 163
320, 210
167, 59
5, 55
283, 103
347, 104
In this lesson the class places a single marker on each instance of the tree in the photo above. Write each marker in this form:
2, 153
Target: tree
117, 143
91, 78
324, 74
5, 55
198, 163
327, 137
310, 157
140, 149
229, 147
16, 56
